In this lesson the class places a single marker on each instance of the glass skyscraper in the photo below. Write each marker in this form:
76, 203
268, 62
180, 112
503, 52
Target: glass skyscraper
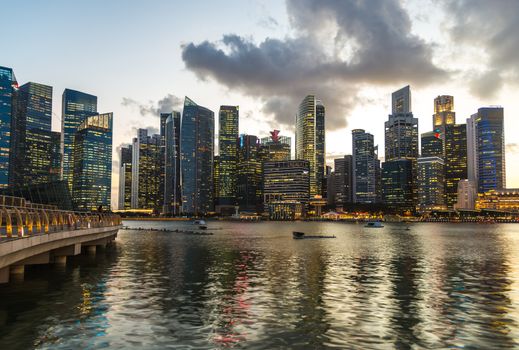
172, 188
342, 183
76, 107
366, 168
278, 147
8, 85
32, 139
432, 145
310, 140
431, 183
197, 151
92, 181
401, 151
125, 178
227, 160
251, 155
147, 163
490, 139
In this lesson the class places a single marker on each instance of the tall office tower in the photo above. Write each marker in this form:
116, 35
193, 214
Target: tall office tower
490, 140
432, 144
286, 188
55, 156
163, 117
398, 185
249, 168
75, 108
228, 158
31, 140
196, 162
172, 188
92, 181
125, 178
443, 113
343, 181
8, 86
401, 129
278, 147
401, 152
330, 184
431, 183
146, 172
366, 167
310, 140
472, 158
455, 160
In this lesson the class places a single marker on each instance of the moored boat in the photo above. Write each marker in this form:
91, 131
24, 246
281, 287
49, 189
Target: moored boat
374, 224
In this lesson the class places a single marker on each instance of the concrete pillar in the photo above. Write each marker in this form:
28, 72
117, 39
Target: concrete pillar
60, 260
91, 249
4, 275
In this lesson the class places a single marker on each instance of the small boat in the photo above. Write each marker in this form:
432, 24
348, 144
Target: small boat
202, 227
374, 224
199, 222
301, 235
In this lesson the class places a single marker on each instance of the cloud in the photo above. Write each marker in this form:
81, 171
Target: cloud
165, 105
492, 25
339, 47
268, 22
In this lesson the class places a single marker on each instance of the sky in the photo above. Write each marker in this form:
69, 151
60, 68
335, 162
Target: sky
142, 57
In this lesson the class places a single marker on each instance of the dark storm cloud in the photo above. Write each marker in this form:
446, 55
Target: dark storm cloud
280, 73
492, 25
165, 105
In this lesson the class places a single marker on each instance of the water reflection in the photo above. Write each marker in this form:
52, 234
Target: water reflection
252, 286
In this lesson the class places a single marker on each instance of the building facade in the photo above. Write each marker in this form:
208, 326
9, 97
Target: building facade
286, 185
228, 159
172, 185
401, 153
196, 162
342, 184
431, 184
8, 86
146, 171
467, 195
310, 140
125, 178
76, 107
278, 147
92, 181
32, 139
490, 141
251, 155
366, 168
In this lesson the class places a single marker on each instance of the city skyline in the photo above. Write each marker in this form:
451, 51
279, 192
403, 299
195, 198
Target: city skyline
168, 80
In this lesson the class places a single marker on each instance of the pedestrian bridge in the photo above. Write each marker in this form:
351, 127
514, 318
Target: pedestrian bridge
40, 234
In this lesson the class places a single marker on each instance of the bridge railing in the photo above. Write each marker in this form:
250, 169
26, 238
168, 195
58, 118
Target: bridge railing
20, 219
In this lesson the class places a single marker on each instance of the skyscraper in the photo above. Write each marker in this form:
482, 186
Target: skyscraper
146, 171
455, 160
401, 152
443, 113
8, 85
228, 157
278, 147
366, 168
431, 183
343, 181
286, 188
472, 149
310, 140
432, 145
92, 181
490, 141
31, 139
249, 181
172, 189
197, 150
76, 107
125, 178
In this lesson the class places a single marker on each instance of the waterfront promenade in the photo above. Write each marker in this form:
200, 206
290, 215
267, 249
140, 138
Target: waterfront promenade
41, 234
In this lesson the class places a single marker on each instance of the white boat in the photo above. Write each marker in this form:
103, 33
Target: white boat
374, 224
199, 222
